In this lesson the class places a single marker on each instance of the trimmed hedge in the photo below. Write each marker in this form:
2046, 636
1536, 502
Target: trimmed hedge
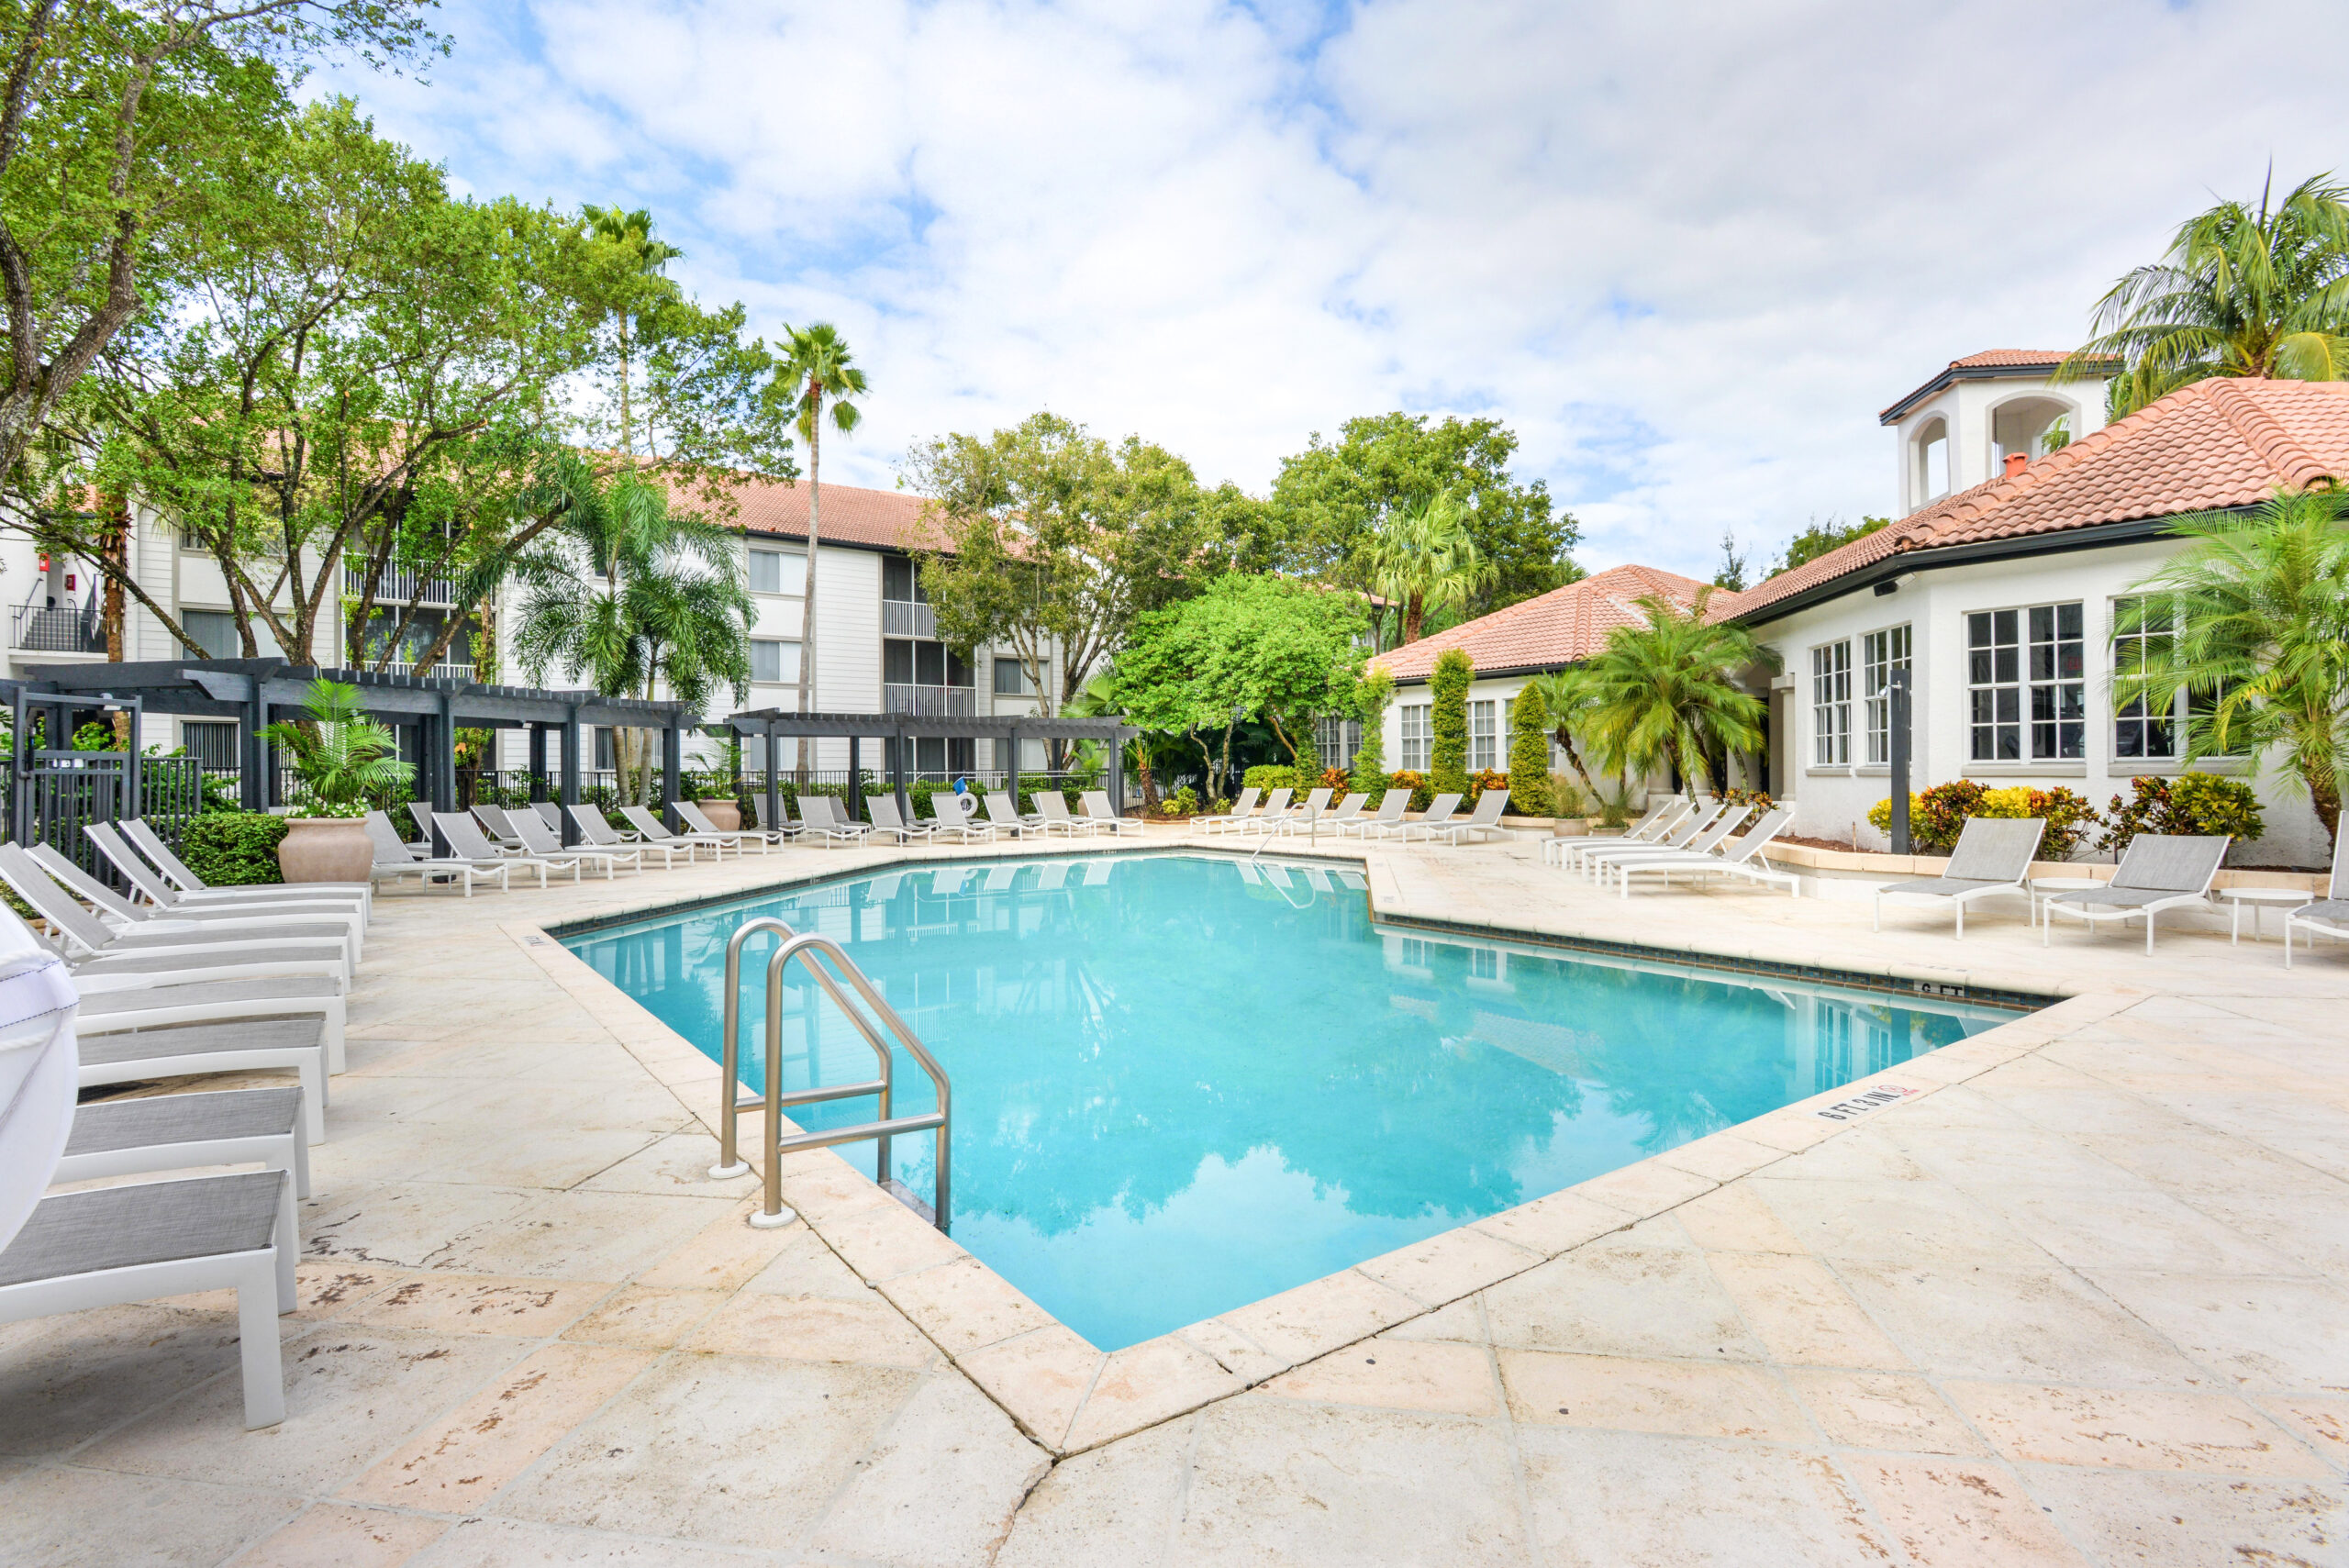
234, 849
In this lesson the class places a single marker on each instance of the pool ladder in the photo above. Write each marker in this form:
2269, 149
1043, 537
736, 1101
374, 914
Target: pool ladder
874, 1019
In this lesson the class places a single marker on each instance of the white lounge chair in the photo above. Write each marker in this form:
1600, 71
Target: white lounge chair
1659, 819
888, 821
190, 1132
1684, 835
1104, 816
122, 1244
539, 842
279, 898
1005, 817
176, 870
87, 938
1295, 816
2158, 871
396, 859
2326, 916
297, 1045
1346, 811
1486, 818
466, 840
773, 833
958, 818
1391, 806
599, 832
1241, 810
550, 812
1440, 813
1992, 857
820, 818
653, 831
1746, 858
494, 822
1053, 807
693, 816
1275, 807
129, 919
422, 811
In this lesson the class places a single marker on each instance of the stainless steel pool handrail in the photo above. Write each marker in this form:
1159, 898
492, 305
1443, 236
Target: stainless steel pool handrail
806, 950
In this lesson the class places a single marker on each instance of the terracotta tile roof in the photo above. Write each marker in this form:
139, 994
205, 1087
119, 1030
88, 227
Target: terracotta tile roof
891, 518
2214, 444
1991, 363
1562, 626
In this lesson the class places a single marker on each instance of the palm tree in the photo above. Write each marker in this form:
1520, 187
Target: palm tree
2251, 621
642, 257
1667, 692
1566, 694
341, 755
630, 594
2242, 291
819, 366
1423, 557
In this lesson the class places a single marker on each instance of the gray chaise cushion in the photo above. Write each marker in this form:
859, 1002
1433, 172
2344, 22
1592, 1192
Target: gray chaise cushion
138, 936
282, 988
2331, 911
197, 1040
151, 1222
1949, 886
156, 1120
150, 961
2168, 862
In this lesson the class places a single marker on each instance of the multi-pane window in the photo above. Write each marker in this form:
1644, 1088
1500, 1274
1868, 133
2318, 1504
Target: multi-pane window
2138, 729
1483, 739
1011, 677
778, 571
2026, 678
1335, 740
1881, 652
774, 662
1831, 705
1415, 737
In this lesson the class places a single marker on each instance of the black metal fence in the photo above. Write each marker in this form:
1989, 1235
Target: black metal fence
59, 793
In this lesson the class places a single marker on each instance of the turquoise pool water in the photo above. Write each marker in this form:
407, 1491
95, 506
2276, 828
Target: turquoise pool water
1182, 1083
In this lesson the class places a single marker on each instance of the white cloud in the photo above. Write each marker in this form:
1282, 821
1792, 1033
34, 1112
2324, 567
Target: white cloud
1686, 251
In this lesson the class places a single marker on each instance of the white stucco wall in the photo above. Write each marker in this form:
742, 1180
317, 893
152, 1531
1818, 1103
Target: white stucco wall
1969, 407
1933, 603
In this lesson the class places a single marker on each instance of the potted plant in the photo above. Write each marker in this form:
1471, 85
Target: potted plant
340, 757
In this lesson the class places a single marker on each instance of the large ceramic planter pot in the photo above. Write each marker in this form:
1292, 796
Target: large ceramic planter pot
324, 849
726, 815
1570, 827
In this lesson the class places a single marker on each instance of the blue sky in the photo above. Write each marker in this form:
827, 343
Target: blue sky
1685, 251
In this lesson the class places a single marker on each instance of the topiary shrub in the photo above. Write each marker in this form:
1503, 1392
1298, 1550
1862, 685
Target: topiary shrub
1529, 756
234, 849
1448, 685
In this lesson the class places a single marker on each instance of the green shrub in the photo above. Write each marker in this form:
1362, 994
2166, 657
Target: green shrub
1568, 798
1529, 756
1937, 816
1448, 685
1270, 776
1423, 793
233, 848
1183, 802
2192, 803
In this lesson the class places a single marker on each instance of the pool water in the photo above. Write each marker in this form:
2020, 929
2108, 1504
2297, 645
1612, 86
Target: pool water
1182, 1082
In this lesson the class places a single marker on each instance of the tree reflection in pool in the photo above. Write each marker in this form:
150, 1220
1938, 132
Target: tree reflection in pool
1182, 1082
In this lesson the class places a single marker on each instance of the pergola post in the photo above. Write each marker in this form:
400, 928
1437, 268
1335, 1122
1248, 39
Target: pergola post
250, 783
1012, 765
855, 791
570, 747
775, 785
537, 760
444, 756
898, 746
1117, 774
672, 762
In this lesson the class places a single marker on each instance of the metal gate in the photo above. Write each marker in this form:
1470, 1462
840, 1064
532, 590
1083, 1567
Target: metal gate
52, 793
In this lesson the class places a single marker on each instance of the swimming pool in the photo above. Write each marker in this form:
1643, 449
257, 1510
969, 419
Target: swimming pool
1184, 1083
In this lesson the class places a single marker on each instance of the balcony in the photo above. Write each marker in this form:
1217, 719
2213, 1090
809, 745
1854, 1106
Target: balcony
69, 629
906, 617
442, 670
399, 586
929, 702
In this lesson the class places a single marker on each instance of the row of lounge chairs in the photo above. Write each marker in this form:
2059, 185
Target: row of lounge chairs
1277, 815
177, 978
1679, 838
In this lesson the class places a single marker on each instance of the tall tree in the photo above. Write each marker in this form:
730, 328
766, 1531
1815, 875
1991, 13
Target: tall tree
640, 259
1424, 555
1331, 498
632, 593
126, 130
1053, 541
816, 366
2242, 291
1670, 692
2251, 621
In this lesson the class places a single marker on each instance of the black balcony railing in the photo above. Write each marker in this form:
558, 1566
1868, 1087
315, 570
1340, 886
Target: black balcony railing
67, 629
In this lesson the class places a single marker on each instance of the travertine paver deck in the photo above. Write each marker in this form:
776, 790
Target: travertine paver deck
2081, 1299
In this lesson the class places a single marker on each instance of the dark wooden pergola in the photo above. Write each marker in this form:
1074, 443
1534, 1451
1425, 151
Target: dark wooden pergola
785, 724
255, 691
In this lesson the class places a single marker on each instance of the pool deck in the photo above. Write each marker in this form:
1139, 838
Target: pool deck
2079, 1298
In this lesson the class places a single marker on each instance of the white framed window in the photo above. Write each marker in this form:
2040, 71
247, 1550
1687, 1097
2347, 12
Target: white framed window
1414, 738
2026, 678
775, 662
1011, 677
1831, 705
1881, 652
1335, 740
2140, 732
1483, 738
778, 571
